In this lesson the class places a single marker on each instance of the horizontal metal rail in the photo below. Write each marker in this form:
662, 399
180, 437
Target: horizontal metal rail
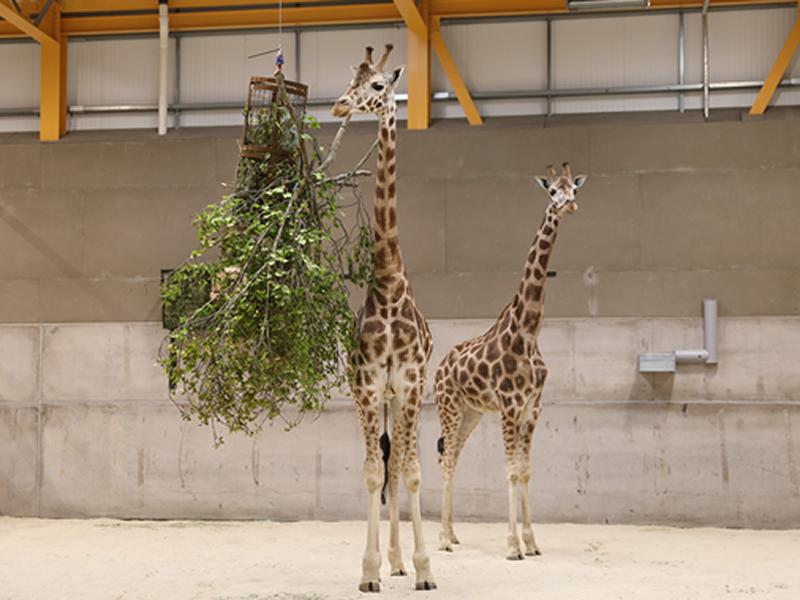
630, 90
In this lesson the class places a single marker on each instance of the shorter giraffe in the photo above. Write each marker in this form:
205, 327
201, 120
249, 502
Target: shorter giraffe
503, 371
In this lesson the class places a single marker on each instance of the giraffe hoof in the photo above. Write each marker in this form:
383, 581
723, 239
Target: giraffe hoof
399, 573
426, 585
516, 556
446, 548
534, 552
369, 586
454, 539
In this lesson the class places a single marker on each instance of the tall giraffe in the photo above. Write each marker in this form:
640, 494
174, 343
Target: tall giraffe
503, 371
395, 343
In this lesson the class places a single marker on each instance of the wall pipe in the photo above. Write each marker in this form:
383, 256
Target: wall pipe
706, 90
163, 66
177, 118
710, 330
665, 362
297, 55
681, 59
549, 65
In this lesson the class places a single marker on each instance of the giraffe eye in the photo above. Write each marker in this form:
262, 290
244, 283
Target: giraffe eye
378, 87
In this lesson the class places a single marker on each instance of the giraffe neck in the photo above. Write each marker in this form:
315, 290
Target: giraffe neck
530, 297
387, 245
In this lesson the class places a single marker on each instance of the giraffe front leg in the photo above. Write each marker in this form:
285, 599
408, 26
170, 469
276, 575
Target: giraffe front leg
413, 479
511, 442
395, 467
526, 430
367, 406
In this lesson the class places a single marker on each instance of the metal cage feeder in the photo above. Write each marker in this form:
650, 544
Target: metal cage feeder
273, 117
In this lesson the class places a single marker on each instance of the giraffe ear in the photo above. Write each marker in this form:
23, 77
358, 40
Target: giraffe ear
542, 181
397, 73
579, 180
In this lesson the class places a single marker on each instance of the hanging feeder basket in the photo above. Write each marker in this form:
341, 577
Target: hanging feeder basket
273, 117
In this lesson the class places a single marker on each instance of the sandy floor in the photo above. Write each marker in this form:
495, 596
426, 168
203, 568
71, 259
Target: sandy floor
112, 560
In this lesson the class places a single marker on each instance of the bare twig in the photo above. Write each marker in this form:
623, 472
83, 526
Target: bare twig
337, 140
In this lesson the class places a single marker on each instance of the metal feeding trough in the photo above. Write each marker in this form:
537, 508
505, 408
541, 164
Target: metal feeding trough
667, 362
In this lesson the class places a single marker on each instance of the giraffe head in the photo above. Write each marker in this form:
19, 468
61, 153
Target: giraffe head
372, 88
562, 189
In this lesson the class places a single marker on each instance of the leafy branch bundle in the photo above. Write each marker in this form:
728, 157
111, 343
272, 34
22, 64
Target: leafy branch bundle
268, 336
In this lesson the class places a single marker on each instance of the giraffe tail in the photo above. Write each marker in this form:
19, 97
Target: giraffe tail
386, 449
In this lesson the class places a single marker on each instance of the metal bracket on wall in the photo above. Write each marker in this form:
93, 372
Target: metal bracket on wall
667, 362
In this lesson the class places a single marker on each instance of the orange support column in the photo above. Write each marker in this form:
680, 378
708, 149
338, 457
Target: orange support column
419, 62
53, 86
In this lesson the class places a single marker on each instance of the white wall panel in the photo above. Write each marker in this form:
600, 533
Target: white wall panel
19, 75
615, 51
744, 44
10, 124
742, 47
492, 57
495, 57
326, 56
217, 69
693, 29
113, 72
599, 104
211, 118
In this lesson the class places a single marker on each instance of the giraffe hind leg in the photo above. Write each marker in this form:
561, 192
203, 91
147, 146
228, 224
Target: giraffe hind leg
412, 406
394, 467
450, 417
469, 422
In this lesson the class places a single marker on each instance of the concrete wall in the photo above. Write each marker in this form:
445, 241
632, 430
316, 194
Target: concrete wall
86, 430
675, 210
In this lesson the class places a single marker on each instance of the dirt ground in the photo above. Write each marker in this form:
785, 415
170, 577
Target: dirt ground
114, 560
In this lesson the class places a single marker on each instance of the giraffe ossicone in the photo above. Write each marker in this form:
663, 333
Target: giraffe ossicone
389, 365
503, 371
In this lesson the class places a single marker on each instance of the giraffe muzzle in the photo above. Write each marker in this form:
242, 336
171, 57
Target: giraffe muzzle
341, 108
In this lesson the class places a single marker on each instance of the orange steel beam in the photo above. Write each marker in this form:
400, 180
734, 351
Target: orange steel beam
23, 25
778, 69
233, 19
52, 70
442, 8
84, 6
420, 39
412, 17
111, 20
484, 8
449, 66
